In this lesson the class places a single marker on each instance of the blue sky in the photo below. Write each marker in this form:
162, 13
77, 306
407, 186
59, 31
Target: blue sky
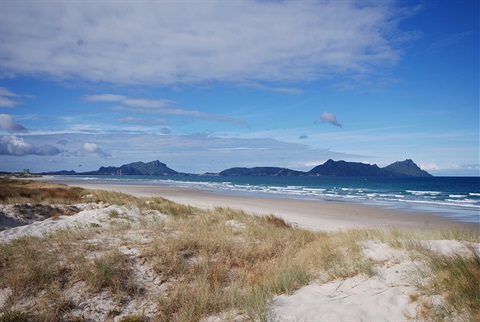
208, 85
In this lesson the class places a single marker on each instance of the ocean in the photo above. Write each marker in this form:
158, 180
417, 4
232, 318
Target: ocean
454, 197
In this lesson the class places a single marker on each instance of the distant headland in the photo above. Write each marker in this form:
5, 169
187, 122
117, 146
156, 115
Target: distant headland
406, 168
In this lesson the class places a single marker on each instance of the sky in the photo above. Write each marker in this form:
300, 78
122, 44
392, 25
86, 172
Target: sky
207, 85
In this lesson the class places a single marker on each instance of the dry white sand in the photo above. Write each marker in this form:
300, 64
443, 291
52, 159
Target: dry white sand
88, 214
382, 297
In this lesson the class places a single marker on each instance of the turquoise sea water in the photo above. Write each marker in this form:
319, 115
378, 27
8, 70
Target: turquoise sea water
455, 197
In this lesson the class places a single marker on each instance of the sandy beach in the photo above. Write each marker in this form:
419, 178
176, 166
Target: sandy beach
387, 293
307, 214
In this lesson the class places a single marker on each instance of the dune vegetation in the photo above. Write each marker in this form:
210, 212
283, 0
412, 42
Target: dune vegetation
150, 259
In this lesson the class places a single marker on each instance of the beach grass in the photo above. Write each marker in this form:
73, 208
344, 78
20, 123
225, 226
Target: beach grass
455, 278
204, 263
14, 191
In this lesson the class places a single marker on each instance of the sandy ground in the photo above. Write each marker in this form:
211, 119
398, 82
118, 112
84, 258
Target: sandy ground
307, 214
385, 296
382, 297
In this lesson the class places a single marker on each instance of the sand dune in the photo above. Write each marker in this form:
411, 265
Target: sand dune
384, 296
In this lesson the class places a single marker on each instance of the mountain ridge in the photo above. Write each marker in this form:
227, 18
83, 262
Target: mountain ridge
260, 171
406, 168
153, 168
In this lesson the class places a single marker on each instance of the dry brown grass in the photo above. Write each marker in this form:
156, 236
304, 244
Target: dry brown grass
23, 191
208, 262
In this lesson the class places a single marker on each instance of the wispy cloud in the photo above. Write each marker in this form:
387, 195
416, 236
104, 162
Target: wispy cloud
159, 106
277, 89
8, 98
142, 121
329, 118
8, 124
162, 43
147, 104
452, 39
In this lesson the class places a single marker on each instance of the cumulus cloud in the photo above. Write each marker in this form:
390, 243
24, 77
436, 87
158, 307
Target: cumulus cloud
93, 148
13, 145
329, 118
8, 124
158, 106
178, 42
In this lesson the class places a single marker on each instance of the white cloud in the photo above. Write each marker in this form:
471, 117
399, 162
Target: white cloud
431, 166
93, 148
142, 121
186, 42
7, 98
159, 106
329, 118
13, 145
452, 168
6, 92
8, 102
452, 40
152, 104
8, 124
104, 98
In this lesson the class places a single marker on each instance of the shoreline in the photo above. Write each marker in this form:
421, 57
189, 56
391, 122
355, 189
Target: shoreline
307, 214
